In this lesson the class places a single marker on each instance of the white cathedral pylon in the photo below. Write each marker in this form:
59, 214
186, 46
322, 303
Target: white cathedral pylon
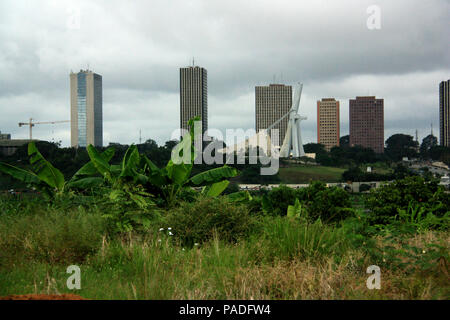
292, 143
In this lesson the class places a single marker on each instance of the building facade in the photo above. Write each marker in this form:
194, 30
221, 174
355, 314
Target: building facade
5, 136
367, 123
86, 109
193, 96
444, 114
328, 123
271, 103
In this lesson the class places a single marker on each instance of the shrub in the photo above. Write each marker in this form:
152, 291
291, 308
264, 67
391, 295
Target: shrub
386, 201
328, 204
364, 187
276, 202
198, 221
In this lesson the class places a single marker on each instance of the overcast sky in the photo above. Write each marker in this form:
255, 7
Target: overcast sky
139, 46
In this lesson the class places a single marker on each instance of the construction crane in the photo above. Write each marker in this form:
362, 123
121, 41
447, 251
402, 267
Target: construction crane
31, 124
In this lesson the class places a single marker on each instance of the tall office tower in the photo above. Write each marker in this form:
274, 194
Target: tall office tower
271, 103
444, 114
86, 115
367, 123
328, 123
193, 96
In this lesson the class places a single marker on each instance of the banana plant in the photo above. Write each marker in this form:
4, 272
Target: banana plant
297, 211
176, 176
48, 179
87, 176
43, 175
168, 181
116, 175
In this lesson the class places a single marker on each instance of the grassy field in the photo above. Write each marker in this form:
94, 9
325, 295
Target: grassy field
307, 173
281, 259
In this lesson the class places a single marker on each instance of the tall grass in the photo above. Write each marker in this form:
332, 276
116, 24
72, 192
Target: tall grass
284, 259
49, 235
288, 238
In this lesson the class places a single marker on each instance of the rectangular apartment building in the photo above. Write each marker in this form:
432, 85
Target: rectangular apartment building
5, 136
86, 110
444, 114
271, 103
367, 123
328, 123
193, 96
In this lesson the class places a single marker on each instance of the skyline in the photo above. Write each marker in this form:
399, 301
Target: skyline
139, 49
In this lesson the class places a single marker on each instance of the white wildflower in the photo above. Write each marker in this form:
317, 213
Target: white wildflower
161, 229
169, 228
170, 233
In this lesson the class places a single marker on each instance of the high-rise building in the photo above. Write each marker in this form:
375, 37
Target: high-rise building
86, 110
271, 103
367, 123
193, 96
328, 123
444, 113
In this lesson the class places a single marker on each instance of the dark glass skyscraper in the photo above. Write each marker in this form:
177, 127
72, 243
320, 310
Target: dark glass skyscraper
86, 110
272, 102
193, 96
444, 113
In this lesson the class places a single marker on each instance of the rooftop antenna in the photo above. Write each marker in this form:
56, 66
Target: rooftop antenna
281, 76
432, 129
193, 61
417, 135
140, 136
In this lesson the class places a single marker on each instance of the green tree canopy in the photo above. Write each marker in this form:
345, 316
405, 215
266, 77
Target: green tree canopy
401, 145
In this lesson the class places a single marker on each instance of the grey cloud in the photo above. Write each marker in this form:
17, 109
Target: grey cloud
138, 47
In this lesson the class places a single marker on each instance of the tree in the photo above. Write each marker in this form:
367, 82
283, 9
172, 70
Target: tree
401, 145
316, 148
353, 174
440, 153
344, 141
427, 143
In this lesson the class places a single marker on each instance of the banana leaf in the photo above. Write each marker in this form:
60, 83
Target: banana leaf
44, 169
99, 162
86, 183
178, 173
130, 162
214, 175
19, 174
240, 196
295, 210
216, 188
155, 175
89, 168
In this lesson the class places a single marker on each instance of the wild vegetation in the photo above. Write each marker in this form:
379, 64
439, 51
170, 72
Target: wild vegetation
140, 230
